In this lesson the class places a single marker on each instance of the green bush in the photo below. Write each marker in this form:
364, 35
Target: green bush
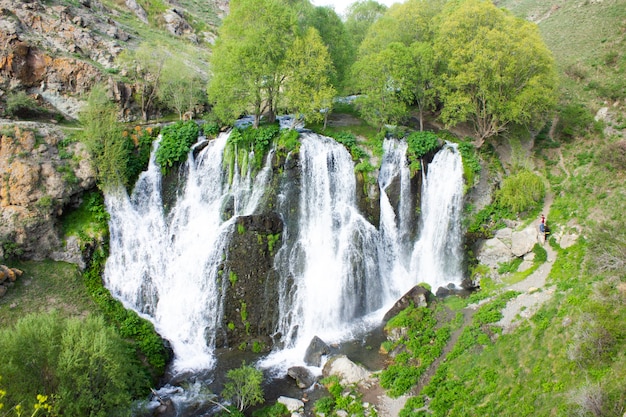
348, 140
243, 387
275, 410
176, 141
22, 105
82, 364
521, 192
574, 121
471, 164
421, 143
613, 156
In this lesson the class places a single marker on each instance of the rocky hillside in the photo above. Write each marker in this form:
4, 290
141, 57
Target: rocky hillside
57, 50
52, 54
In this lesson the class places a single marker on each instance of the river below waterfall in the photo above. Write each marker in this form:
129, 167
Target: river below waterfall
336, 272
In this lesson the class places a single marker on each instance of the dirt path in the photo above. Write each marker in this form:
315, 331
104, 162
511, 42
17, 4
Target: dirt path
534, 293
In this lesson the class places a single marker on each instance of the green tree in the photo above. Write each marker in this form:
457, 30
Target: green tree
182, 88
248, 58
103, 136
384, 79
360, 16
243, 387
338, 41
307, 85
145, 69
495, 69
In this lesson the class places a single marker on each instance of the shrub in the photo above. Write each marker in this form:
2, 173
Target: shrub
521, 192
176, 143
243, 386
82, 363
421, 143
613, 156
574, 121
22, 105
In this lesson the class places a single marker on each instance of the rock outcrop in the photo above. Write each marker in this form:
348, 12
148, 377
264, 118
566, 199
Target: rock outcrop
40, 177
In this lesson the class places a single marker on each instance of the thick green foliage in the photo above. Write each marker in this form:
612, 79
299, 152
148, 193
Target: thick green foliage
176, 142
275, 410
242, 142
22, 105
521, 192
243, 386
348, 140
471, 163
128, 323
424, 343
82, 363
421, 143
575, 120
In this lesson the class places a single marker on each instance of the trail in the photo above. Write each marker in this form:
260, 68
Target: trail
534, 293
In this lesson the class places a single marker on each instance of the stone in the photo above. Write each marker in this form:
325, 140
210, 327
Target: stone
292, 404
418, 296
137, 10
304, 378
347, 371
493, 251
523, 241
317, 348
3, 290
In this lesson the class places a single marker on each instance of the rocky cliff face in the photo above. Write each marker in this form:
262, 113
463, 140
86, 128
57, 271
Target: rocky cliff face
42, 174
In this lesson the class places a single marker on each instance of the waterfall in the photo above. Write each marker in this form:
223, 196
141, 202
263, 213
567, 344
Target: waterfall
165, 265
395, 243
329, 270
437, 255
338, 272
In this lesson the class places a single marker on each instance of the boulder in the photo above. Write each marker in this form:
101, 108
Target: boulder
418, 296
304, 378
523, 241
317, 348
347, 371
292, 404
493, 251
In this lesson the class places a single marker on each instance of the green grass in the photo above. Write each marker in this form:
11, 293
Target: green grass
45, 286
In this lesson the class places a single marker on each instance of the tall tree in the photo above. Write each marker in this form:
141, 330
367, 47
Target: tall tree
495, 69
182, 88
360, 16
248, 58
384, 78
337, 40
307, 86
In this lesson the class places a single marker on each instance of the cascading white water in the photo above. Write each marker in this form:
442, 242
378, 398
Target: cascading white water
338, 272
165, 265
395, 243
437, 255
329, 271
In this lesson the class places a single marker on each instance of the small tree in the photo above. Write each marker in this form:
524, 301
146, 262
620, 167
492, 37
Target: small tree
244, 386
307, 86
102, 134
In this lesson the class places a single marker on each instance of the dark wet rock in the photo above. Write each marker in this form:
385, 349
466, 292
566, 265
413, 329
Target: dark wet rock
418, 296
304, 378
317, 348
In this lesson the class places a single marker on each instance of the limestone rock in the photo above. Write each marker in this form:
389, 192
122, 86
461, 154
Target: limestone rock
493, 251
137, 10
175, 23
314, 352
418, 296
292, 404
523, 241
347, 371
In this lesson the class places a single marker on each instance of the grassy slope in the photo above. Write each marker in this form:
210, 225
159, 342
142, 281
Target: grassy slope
570, 358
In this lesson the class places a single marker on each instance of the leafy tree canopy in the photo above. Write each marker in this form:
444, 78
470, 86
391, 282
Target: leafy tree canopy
307, 86
495, 69
248, 58
360, 16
